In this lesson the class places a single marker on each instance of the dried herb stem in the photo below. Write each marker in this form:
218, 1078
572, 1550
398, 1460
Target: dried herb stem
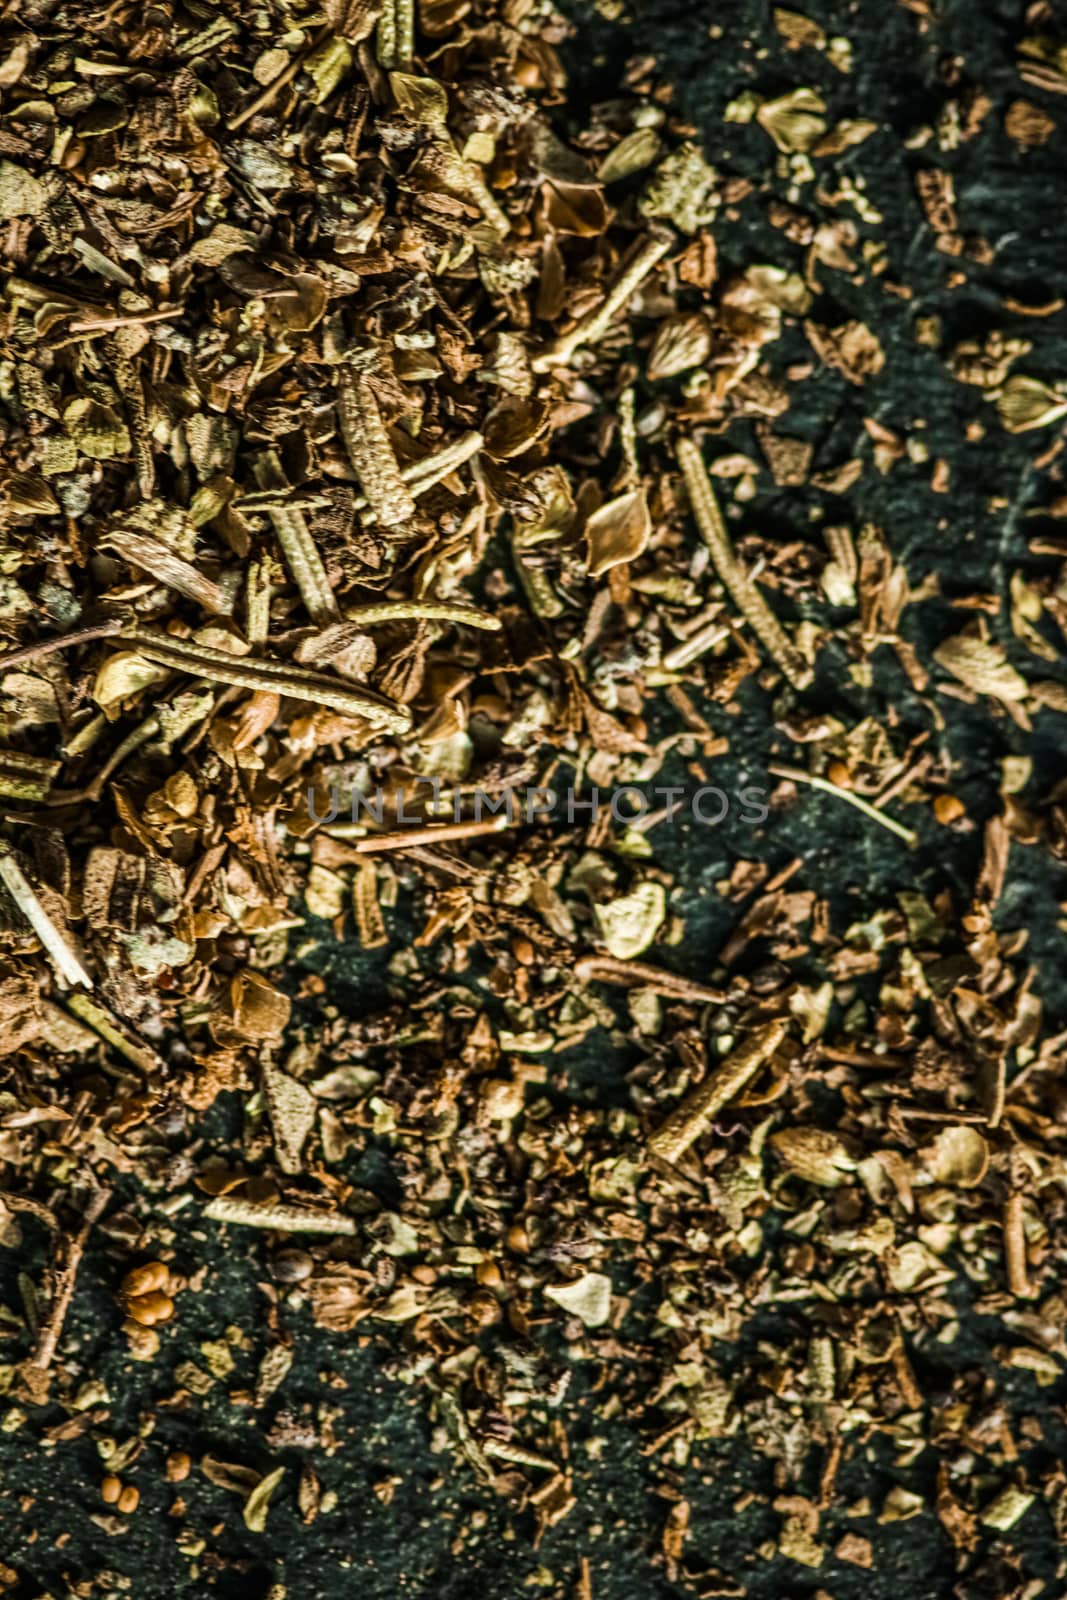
1015, 1247
62, 641
396, 35
435, 834
298, 547
276, 85
110, 324
798, 775
370, 449
640, 974
62, 957
253, 672
588, 329
725, 1081
64, 1280
94, 789
423, 474
277, 1218
746, 596
116, 1034
689, 650
423, 610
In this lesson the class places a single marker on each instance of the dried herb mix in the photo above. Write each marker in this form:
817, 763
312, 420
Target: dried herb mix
372, 424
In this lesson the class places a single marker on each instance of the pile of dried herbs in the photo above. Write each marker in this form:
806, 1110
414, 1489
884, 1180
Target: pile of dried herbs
362, 427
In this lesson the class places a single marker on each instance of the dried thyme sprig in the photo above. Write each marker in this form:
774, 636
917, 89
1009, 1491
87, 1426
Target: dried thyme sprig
722, 1084
298, 547
744, 593
425, 611
588, 329
798, 775
253, 672
277, 1218
395, 40
56, 947
370, 449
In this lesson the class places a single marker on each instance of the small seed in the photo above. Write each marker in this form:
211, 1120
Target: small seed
948, 808
144, 1342
110, 1489
518, 1239
178, 1466
129, 1499
291, 1266
483, 1309
839, 773
148, 1309
146, 1279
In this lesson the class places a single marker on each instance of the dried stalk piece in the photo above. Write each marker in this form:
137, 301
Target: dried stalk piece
422, 475
251, 672
588, 329
36, 1367
423, 610
298, 547
62, 957
370, 450
744, 593
277, 1218
430, 470
434, 834
685, 1124
61, 641
798, 775
1015, 1247
118, 1035
128, 380
395, 41
642, 975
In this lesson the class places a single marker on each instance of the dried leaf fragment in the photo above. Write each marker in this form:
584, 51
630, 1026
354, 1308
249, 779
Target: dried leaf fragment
1025, 403
682, 341
258, 1502
982, 666
293, 1110
21, 194
370, 450
815, 1154
852, 349
959, 1156
619, 531
255, 1011
587, 1298
794, 121
629, 924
